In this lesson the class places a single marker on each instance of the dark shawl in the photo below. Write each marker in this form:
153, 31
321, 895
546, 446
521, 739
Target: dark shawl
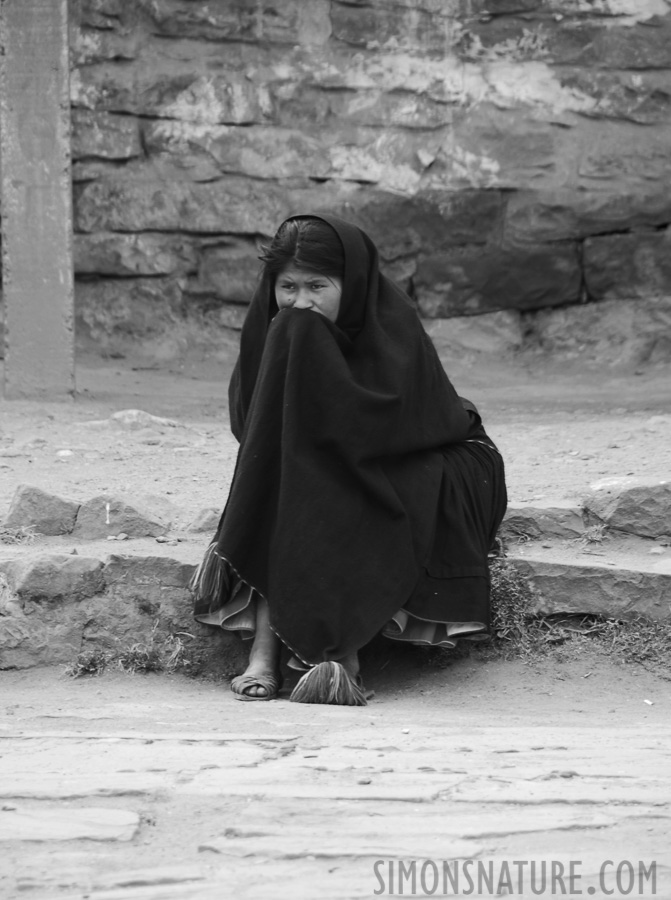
332, 508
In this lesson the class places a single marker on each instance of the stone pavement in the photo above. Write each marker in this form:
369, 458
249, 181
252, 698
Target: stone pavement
162, 788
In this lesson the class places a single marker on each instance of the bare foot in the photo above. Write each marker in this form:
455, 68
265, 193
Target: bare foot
264, 657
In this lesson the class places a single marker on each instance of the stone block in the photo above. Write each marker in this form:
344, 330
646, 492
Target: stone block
628, 266
227, 270
522, 523
111, 515
642, 97
54, 578
46, 513
104, 135
125, 307
641, 46
615, 332
633, 505
570, 214
298, 103
596, 589
433, 221
255, 151
101, 13
379, 27
206, 520
499, 143
471, 280
236, 205
73, 824
122, 255
496, 333
158, 583
287, 22
89, 46
187, 90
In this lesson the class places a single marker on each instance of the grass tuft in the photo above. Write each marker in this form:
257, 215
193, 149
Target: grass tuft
24, 534
516, 632
157, 654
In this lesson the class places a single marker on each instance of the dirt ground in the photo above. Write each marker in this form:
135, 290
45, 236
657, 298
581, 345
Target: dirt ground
560, 428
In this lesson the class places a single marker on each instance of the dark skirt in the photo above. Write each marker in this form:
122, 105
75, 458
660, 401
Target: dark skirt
451, 598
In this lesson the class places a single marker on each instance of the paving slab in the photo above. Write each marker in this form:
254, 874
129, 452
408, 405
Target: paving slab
88, 823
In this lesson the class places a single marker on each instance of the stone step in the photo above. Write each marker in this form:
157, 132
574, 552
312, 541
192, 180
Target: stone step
61, 594
618, 578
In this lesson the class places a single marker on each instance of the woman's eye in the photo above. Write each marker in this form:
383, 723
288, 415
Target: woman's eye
286, 287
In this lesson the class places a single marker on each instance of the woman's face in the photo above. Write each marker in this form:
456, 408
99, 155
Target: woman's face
305, 289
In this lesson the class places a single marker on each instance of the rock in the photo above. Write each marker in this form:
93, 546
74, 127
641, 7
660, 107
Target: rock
235, 205
569, 214
124, 307
431, 222
54, 578
496, 333
206, 520
595, 588
47, 513
639, 97
104, 135
522, 523
299, 103
177, 89
637, 47
137, 419
628, 266
101, 13
228, 270
109, 253
633, 505
256, 151
156, 584
108, 514
290, 22
613, 332
470, 280
502, 148
407, 29
72, 824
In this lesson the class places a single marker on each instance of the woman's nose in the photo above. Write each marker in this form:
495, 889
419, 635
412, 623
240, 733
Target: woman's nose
303, 300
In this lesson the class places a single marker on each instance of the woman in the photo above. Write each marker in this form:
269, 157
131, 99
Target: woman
366, 493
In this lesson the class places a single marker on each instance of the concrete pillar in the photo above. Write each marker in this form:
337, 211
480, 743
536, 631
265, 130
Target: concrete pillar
36, 199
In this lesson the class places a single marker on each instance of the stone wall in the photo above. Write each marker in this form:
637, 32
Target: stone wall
504, 154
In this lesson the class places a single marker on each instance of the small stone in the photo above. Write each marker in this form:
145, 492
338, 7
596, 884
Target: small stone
122, 536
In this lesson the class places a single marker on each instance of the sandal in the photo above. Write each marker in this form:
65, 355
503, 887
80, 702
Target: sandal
241, 685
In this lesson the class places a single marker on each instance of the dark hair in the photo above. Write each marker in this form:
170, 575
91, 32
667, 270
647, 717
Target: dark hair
308, 243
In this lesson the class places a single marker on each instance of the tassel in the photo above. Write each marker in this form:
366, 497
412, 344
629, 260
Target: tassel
211, 579
328, 683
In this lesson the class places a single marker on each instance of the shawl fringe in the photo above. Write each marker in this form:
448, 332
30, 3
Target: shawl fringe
211, 582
